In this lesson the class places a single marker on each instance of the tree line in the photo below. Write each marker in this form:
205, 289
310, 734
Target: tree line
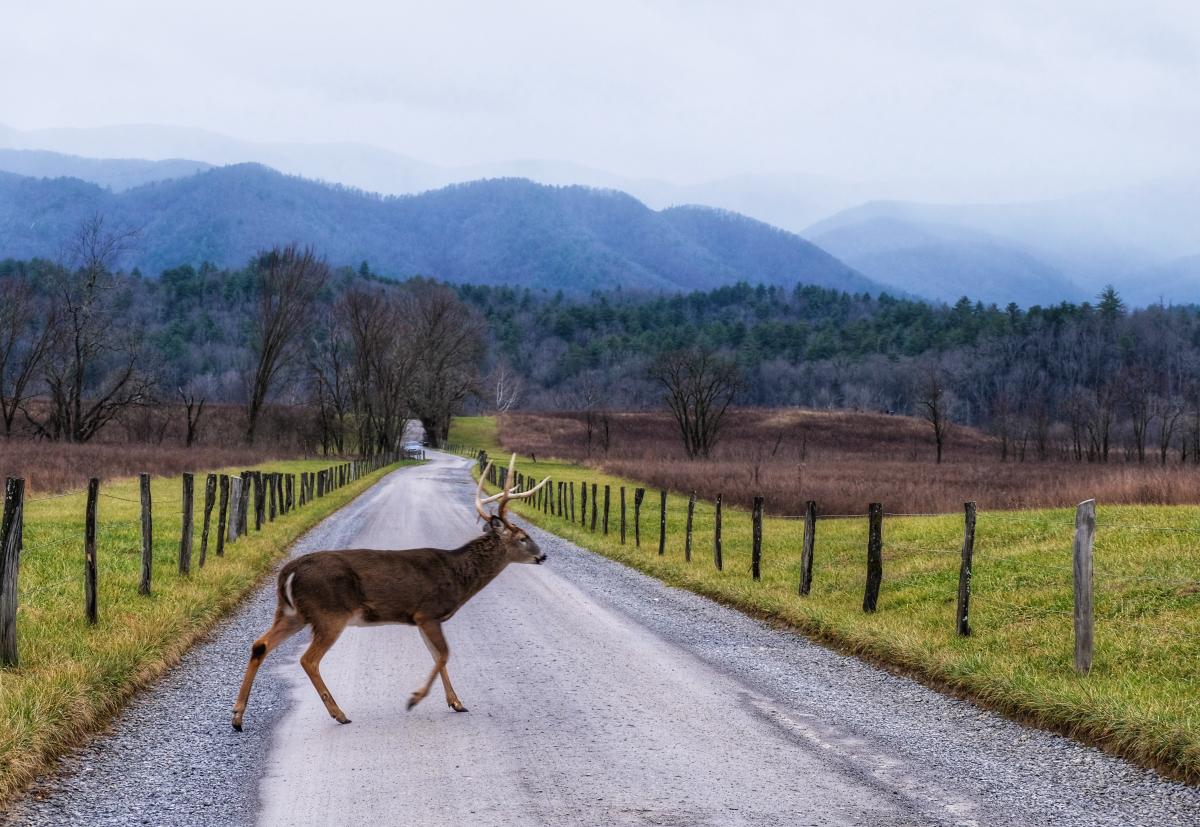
341, 360
1090, 381
84, 346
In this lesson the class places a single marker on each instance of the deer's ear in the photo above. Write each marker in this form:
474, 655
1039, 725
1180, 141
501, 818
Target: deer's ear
493, 525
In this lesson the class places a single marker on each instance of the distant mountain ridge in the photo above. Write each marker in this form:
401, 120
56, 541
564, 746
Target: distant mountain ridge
112, 173
945, 262
502, 231
1122, 237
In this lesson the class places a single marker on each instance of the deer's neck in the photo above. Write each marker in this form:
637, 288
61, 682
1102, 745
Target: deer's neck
479, 564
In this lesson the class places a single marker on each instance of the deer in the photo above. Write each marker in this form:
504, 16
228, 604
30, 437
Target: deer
422, 587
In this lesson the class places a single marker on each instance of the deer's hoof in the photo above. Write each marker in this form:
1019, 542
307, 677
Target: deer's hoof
459, 708
343, 720
237, 721
413, 700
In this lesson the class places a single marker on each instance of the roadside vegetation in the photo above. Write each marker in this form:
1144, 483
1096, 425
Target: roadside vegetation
1139, 701
73, 677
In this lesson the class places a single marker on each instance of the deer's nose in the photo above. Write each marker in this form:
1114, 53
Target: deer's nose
540, 559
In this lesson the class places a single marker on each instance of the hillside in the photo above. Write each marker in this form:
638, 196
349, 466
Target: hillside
501, 231
1092, 239
945, 262
111, 173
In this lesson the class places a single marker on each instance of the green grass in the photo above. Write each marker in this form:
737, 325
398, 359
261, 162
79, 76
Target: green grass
73, 677
1140, 699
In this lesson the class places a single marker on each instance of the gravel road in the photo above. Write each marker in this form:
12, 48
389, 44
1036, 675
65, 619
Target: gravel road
597, 696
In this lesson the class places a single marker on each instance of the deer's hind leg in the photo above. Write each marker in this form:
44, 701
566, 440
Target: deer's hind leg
431, 631
451, 696
324, 636
284, 627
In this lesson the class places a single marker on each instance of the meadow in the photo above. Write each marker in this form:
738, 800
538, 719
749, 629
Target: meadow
1138, 701
844, 460
73, 677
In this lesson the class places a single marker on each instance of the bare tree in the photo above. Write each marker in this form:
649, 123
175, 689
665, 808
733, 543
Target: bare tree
288, 281
933, 400
26, 334
92, 372
507, 386
699, 387
330, 363
194, 394
450, 337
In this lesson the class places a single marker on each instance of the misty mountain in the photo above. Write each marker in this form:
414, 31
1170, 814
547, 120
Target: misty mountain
1177, 280
112, 173
1091, 239
790, 201
504, 231
945, 262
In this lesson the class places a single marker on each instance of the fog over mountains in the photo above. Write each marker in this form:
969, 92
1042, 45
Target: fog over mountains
499, 231
1144, 239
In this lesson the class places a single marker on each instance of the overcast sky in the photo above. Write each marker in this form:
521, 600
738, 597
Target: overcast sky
1028, 94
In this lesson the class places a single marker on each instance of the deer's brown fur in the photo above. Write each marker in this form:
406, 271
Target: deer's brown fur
330, 590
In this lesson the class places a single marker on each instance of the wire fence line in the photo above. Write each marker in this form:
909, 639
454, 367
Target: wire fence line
1017, 580
216, 513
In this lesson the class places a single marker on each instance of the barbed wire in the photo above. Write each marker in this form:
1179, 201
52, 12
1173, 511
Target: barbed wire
54, 496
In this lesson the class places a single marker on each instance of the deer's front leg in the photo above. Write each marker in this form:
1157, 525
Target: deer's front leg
431, 630
451, 696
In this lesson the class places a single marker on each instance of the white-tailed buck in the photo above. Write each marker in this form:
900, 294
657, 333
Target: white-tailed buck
422, 587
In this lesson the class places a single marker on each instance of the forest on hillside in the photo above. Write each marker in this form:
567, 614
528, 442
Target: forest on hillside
1088, 381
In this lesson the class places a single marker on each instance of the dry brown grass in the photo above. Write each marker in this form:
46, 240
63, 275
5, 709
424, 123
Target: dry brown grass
844, 461
55, 467
151, 439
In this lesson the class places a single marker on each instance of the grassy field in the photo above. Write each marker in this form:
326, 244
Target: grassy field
73, 677
845, 459
1140, 699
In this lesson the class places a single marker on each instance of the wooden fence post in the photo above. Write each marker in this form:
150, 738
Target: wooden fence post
662, 522
756, 550
90, 607
606, 498
583, 500
638, 495
147, 535
622, 515
11, 536
687, 542
210, 498
1085, 619
235, 498
260, 502
963, 615
243, 508
806, 555
185, 537
222, 513
572, 517
595, 508
717, 559
273, 495
874, 556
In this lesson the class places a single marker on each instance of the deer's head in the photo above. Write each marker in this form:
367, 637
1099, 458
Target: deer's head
518, 546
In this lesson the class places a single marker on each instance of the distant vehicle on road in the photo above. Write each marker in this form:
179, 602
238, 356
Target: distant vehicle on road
414, 450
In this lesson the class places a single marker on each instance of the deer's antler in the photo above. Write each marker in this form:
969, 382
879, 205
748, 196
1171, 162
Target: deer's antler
510, 494
480, 501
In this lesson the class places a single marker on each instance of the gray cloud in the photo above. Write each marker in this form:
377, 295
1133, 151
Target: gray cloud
935, 99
